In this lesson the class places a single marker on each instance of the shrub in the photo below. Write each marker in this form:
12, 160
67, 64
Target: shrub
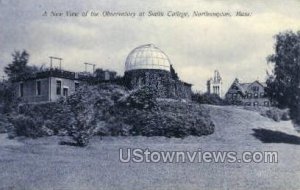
88, 106
275, 114
55, 115
8, 100
170, 119
110, 110
143, 98
207, 98
29, 127
5, 125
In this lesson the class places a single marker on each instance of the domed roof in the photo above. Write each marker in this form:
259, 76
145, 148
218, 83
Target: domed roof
147, 57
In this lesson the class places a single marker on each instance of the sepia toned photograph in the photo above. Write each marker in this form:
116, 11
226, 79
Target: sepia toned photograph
149, 95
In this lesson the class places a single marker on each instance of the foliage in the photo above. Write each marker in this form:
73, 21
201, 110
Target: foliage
55, 115
143, 98
108, 109
29, 127
271, 112
284, 82
18, 67
208, 98
174, 75
8, 101
170, 119
5, 125
88, 106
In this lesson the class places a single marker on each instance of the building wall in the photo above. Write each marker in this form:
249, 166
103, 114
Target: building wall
30, 90
214, 85
256, 96
161, 80
67, 83
48, 89
253, 95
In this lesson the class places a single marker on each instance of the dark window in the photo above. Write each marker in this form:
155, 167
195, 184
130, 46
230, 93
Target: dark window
76, 85
234, 96
255, 88
248, 103
58, 87
21, 89
256, 95
65, 91
255, 103
38, 87
249, 95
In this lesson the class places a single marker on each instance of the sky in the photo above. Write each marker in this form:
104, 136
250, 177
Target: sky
236, 46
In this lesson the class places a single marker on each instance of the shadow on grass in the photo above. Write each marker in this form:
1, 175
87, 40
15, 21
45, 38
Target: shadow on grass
68, 143
269, 136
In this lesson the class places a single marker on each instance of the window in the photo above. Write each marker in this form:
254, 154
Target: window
255, 88
255, 103
255, 95
266, 103
249, 95
234, 96
65, 91
262, 94
58, 87
248, 103
76, 85
38, 88
21, 88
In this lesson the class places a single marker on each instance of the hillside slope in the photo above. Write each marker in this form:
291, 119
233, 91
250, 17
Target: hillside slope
52, 166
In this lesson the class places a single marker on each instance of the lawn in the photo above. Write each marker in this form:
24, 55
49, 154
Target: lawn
44, 164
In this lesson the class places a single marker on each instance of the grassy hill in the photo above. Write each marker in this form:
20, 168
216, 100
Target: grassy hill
43, 164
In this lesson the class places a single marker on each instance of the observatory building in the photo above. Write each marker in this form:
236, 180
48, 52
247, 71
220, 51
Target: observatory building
147, 65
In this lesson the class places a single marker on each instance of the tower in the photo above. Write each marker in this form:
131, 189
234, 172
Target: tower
214, 85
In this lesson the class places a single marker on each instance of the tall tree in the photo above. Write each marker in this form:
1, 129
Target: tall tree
284, 81
18, 67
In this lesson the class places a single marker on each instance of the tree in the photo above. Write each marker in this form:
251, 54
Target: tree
7, 97
18, 67
283, 84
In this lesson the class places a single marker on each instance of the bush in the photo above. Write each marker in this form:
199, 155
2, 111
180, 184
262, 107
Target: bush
207, 98
5, 125
110, 110
29, 127
276, 114
8, 100
143, 98
88, 106
170, 119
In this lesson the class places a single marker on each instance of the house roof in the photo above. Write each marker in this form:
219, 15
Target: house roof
244, 86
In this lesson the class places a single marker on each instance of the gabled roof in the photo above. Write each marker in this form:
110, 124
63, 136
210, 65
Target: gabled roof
244, 86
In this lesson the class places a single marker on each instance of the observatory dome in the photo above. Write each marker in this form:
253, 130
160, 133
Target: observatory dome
147, 57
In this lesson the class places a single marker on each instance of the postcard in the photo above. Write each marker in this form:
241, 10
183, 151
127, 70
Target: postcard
170, 94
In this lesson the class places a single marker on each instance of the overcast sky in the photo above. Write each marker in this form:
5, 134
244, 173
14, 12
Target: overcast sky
196, 46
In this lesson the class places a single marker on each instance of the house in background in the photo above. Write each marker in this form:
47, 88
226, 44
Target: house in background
50, 85
247, 94
46, 86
